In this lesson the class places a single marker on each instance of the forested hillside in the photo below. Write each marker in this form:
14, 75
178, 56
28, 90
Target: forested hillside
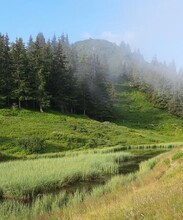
46, 74
161, 82
136, 123
80, 78
77, 122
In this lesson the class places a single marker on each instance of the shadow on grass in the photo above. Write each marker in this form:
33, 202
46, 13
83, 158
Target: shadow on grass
55, 148
5, 141
5, 157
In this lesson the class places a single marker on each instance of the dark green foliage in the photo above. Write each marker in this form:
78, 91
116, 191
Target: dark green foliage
33, 144
60, 85
40, 60
80, 78
5, 70
19, 72
1, 194
52, 74
5, 157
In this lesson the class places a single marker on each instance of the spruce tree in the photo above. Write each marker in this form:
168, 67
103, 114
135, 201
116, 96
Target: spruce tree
5, 69
40, 63
19, 71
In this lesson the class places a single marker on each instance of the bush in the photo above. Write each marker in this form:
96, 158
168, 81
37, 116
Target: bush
9, 112
33, 144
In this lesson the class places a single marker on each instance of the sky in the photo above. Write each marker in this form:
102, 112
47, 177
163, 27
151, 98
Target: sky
153, 26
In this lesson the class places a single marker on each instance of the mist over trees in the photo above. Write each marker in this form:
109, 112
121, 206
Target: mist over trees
50, 74
78, 78
162, 84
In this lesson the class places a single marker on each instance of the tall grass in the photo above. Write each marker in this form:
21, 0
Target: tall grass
24, 179
120, 180
111, 149
156, 195
12, 209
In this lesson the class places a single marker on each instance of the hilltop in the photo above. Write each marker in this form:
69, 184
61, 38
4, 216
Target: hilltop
112, 56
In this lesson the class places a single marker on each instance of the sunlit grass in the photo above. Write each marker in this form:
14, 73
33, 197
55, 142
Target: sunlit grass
155, 192
146, 192
77, 149
48, 203
24, 179
137, 123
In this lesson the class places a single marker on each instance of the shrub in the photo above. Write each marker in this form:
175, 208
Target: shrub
33, 144
9, 112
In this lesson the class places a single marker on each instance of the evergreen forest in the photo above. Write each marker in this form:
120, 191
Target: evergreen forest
80, 78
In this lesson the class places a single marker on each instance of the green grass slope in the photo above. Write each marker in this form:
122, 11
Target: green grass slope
137, 122
133, 110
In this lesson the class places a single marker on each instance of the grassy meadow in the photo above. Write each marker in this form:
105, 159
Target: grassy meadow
26, 179
56, 166
28, 195
137, 122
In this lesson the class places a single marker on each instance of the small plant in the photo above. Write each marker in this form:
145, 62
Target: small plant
9, 112
33, 144
178, 155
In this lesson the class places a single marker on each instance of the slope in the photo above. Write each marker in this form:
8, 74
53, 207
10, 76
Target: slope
155, 195
137, 123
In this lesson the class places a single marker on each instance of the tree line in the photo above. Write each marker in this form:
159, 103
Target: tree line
50, 74
161, 83
78, 78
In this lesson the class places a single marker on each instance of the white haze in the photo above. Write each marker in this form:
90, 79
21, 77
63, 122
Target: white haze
155, 27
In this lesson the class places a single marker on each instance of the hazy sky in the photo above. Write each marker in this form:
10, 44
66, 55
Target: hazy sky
153, 26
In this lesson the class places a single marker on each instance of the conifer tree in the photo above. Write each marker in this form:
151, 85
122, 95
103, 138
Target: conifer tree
19, 71
5, 68
40, 61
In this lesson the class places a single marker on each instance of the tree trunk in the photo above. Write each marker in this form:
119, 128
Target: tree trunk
19, 104
8, 101
41, 108
84, 105
26, 103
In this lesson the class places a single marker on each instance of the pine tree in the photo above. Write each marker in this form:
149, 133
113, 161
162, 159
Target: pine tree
5, 68
61, 80
19, 71
40, 62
